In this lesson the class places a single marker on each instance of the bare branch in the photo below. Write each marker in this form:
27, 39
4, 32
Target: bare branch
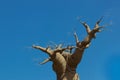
46, 60
76, 37
46, 50
81, 46
92, 33
96, 29
60, 50
97, 23
86, 26
59, 46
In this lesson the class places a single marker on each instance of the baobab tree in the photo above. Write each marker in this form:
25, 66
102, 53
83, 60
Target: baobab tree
65, 62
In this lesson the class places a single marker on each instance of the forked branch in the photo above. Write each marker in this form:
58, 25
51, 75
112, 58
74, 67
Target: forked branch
86, 26
51, 52
92, 33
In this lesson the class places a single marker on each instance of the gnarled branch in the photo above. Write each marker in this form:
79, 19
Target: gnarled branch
86, 26
81, 46
46, 50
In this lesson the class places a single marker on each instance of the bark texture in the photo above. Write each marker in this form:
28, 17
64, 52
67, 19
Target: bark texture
65, 62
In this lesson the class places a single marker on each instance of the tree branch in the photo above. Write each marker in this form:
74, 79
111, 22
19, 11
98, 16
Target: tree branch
97, 23
92, 33
76, 37
86, 26
46, 60
46, 50
81, 46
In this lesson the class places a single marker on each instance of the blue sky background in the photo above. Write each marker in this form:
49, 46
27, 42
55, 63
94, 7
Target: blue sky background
27, 22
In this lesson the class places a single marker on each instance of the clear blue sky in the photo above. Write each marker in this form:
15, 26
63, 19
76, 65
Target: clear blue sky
27, 22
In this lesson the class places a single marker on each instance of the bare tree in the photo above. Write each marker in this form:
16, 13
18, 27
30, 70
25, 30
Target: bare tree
66, 62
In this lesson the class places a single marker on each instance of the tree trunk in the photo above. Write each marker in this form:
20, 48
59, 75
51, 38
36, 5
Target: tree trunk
65, 66
69, 76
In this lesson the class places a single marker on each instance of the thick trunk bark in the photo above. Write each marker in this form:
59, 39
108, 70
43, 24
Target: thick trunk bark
69, 76
65, 66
